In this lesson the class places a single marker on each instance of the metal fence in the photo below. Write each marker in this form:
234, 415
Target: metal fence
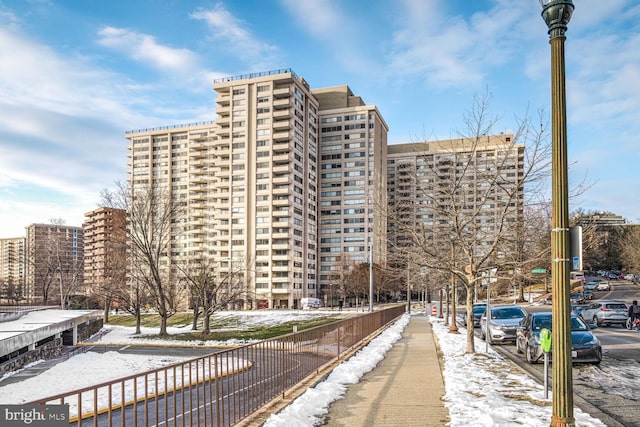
222, 388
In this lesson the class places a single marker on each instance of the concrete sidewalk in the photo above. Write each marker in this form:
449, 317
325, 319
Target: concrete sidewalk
405, 389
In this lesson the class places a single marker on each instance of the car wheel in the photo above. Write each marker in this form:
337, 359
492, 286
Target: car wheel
518, 349
527, 352
596, 321
482, 332
599, 355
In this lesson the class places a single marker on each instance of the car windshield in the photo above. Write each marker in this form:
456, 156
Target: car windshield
578, 324
540, 322
507, 313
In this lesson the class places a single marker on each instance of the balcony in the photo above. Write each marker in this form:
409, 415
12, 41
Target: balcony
223, 131
281, 114
281, 103
280, 169
281, 179
281, 189
282, 136
281, 201
281, 125
283, 92
283, 158
282, 146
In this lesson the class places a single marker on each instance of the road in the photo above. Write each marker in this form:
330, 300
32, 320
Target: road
608, 391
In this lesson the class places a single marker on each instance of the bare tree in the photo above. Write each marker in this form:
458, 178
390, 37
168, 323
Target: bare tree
151, 217
357, 282
630, 252
471, 193
211, 287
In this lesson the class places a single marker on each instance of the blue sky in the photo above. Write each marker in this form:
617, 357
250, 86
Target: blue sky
76, 74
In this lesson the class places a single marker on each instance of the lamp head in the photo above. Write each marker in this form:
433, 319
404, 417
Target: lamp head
556, 14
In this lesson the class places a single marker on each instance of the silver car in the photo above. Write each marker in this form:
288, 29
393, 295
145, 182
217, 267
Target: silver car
503, 321
606, 313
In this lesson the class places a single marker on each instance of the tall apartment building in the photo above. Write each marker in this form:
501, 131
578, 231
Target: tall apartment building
419, 173
12, 269
104, 243
250, 182
55, 255
266, 184
353, 187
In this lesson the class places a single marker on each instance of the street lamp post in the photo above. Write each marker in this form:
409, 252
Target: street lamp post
556, 14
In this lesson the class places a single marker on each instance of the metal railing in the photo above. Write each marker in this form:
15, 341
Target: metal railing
223, 388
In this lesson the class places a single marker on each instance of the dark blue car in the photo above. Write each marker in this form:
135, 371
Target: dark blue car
585, 347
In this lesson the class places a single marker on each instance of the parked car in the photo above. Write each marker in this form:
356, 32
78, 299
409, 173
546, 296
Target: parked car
592, 285
478, 310
576, 298
606, 313
611, 275
585, 347
546, 300
603, 286
502, 323
587, 295
577, 309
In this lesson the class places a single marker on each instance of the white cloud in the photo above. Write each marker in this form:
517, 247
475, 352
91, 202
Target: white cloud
448, 50
322, 18
230, 31
345, 40
144, 48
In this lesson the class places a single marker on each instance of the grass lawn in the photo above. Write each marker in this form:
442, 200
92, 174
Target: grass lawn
222, 328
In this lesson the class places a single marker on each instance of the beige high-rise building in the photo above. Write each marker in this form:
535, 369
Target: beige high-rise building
266, 184
104, 249
12, 269
251, 182
419, 177
353, 187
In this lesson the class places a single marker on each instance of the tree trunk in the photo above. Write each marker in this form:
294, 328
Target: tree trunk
471, 348
138, 321
163, 324
206, 323
194, 325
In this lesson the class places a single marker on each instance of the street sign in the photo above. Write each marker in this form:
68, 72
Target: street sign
539, 270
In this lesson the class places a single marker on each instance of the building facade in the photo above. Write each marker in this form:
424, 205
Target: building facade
55, 263
104, 250
427, 181
12, 270
250, 182
353, 187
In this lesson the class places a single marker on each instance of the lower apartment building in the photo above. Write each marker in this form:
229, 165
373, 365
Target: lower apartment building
104, 249
423, 178
12, 270
54, 263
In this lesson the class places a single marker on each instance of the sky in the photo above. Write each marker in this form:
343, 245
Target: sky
475, 391
76, 75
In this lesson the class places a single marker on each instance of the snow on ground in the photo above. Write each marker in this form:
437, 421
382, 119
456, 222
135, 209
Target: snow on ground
310, 408
482, 389
95, 368
241, 320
